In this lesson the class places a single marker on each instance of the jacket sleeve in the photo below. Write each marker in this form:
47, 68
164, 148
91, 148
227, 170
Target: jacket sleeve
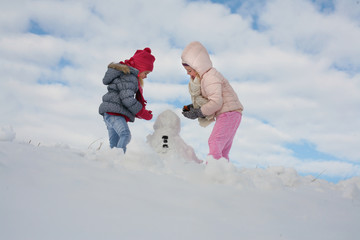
212, 87
127, 91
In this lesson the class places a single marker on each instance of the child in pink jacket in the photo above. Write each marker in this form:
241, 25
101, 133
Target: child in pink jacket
223, 101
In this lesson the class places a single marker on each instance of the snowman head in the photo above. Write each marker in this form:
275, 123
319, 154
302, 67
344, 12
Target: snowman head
168, 120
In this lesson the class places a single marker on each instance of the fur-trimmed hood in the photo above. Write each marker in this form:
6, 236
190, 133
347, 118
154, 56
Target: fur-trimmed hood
115, 70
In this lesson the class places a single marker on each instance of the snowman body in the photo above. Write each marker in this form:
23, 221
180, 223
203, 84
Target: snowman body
166, 139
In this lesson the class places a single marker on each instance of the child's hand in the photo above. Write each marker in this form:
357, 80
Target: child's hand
144, 114
193, 113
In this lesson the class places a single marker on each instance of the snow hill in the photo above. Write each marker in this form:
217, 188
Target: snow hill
62, 193
56, 192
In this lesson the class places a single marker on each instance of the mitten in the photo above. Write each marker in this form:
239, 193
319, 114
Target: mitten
193, 113
144, 114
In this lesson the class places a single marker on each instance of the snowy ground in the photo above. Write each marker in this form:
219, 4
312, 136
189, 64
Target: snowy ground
63, 193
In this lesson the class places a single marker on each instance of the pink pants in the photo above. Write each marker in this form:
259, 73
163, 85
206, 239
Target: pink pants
222, 136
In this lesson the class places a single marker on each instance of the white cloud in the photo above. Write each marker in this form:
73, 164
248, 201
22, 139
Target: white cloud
298, 76
7, 133
349, 9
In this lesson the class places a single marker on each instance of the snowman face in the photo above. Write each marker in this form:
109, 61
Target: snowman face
165, 141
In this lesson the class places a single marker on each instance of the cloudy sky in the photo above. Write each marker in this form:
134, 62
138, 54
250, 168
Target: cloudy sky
294, 64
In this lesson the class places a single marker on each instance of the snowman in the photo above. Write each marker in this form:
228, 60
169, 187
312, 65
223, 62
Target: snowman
166, 139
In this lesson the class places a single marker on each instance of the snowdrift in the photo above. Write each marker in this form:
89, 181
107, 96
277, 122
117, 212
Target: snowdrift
162, 190
63, 193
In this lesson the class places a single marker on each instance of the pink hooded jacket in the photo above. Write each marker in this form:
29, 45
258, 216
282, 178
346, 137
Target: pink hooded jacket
222, 97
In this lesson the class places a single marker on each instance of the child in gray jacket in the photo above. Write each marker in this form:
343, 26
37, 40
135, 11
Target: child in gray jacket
124, 100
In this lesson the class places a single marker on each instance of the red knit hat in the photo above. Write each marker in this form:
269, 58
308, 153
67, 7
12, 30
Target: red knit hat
142, 60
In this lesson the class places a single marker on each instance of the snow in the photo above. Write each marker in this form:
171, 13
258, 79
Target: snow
57, 192
166, 138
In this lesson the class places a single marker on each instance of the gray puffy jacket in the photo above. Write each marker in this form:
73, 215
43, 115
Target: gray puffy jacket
122, 85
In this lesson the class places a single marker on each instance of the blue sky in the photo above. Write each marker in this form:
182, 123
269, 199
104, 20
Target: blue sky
294, 64
35, 28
